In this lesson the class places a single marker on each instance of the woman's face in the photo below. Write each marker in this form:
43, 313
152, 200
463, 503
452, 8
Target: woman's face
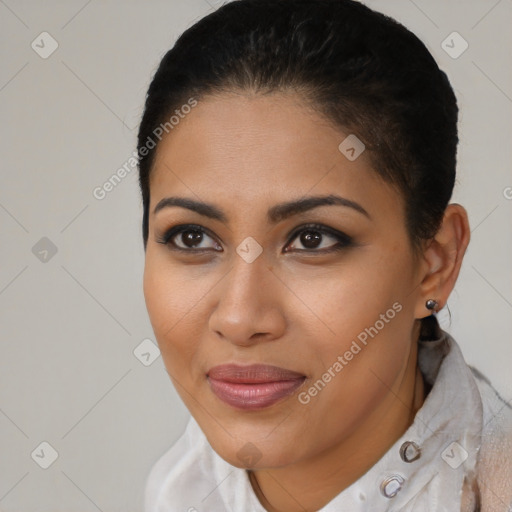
253, 283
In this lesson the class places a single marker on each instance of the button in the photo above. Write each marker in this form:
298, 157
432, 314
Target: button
391, 486
410, 451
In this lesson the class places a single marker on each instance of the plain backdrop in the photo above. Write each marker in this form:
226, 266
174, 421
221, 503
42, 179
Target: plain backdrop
73, 373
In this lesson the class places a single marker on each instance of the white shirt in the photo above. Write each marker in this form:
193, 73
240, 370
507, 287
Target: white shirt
456, 455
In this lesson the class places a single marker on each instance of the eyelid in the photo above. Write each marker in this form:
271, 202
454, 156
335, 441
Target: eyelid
165, 239
343, 239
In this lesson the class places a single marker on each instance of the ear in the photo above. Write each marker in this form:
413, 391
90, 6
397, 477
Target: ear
442, 259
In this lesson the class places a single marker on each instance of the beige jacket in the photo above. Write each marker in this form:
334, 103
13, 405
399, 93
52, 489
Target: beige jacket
487, 484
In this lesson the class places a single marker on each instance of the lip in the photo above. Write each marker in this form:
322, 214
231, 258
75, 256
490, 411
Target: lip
254, 386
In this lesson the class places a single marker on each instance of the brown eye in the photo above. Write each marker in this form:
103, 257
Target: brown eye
317, 238
311, 239
189, 238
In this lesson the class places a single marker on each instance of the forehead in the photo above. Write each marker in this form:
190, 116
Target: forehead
240, 148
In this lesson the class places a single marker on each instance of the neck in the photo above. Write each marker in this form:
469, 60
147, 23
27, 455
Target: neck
311, 484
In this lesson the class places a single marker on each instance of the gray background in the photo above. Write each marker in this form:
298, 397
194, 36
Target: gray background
70, 321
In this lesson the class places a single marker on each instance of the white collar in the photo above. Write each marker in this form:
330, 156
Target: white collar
446, 429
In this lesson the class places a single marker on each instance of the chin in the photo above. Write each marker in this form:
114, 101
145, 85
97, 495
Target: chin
255, 452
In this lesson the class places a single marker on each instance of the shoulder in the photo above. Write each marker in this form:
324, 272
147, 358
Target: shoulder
494, 469
174, 469
190, 477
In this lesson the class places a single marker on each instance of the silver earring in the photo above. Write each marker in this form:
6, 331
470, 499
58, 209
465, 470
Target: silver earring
431, 305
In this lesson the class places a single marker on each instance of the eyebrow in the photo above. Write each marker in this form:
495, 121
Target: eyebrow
275, 214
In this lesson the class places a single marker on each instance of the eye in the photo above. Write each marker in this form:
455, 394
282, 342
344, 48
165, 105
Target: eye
189, 238
316, 238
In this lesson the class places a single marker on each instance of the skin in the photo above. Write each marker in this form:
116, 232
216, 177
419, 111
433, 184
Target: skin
245, 153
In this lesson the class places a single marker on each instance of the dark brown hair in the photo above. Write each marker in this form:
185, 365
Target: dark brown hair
360, 69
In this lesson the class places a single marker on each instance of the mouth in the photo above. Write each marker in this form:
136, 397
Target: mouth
253, 387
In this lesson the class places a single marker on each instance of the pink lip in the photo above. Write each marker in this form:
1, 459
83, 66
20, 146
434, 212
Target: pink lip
253, 387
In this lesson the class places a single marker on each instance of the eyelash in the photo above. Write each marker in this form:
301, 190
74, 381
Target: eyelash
344, 241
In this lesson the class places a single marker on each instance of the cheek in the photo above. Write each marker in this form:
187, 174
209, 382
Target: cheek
353, 295
370, 332
350, 378
170, 292
173, 302
362, 387
369, 327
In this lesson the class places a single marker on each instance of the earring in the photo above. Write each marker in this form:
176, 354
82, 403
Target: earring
431, 305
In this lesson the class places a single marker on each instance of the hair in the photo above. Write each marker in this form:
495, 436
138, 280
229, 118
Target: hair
360, 69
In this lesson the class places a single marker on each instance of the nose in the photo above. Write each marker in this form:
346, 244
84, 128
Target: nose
249, 307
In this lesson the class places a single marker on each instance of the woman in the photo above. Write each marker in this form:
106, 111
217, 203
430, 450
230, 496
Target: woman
297, 159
